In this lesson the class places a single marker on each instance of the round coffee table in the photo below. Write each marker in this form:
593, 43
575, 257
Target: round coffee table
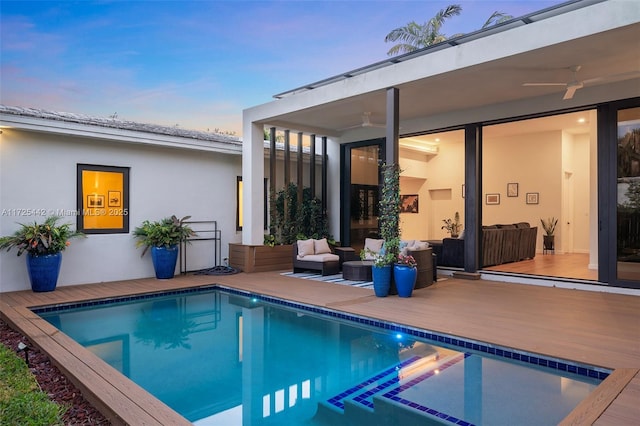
357, 270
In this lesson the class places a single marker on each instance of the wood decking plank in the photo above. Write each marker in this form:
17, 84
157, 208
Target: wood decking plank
592, 407
624, 410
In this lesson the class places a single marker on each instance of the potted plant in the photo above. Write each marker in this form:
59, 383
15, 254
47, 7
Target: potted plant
454, 226
405, 272
44, 244
549, 227
163, 237
380, 270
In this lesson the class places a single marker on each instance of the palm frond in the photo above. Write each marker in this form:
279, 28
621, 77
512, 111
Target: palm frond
497, 18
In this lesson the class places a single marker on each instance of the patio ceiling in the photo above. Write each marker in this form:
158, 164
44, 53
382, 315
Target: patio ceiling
612, 56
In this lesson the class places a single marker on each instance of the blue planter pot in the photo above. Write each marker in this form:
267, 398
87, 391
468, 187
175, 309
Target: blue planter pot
43, 271
381, 280
405, 279
164, 261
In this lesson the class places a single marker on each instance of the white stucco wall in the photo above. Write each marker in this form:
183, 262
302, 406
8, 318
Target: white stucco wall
38, 171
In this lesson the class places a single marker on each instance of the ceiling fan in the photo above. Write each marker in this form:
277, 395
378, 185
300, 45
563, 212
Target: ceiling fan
366, 122
576, 84
571, 86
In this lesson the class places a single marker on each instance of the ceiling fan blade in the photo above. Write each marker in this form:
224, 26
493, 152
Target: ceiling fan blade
544, 84
613, 77
571, 90
366, 122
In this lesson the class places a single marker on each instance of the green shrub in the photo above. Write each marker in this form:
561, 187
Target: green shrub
22, 402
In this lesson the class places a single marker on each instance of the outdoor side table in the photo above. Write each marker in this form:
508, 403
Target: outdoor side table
357, 270
345, 254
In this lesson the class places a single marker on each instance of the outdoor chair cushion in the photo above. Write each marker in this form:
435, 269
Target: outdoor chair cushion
321, 246
305, 248
372, 247
324, 257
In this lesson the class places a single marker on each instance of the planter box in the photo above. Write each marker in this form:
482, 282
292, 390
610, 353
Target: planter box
261, 258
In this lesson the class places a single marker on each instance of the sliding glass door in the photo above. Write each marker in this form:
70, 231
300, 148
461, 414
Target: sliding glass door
628, 196
361, 166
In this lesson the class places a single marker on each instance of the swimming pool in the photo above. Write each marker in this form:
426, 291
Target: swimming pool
229, 357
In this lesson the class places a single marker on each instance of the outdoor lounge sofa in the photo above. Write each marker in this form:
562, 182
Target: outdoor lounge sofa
315, 255
421, 252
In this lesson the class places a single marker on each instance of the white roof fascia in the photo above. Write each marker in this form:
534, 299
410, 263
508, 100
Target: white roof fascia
113, 134
592, 19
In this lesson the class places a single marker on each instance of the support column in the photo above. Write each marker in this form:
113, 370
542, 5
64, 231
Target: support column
272, 179
252, 182
312, 166
300, 169
324, 175
287, 158
287, 169
393, 126
473, 198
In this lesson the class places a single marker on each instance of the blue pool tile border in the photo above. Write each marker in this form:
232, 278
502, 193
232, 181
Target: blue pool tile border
458, 342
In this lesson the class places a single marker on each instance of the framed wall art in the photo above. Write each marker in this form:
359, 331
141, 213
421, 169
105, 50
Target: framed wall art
493, 199
512, 189
533, 197
409, 203
102, 199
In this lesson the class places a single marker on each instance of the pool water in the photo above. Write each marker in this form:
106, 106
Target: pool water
224, 358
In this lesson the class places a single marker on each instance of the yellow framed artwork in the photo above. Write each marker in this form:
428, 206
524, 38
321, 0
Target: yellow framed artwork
103, 199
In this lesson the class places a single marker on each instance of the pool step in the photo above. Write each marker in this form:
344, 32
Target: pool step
377, 400
333, 408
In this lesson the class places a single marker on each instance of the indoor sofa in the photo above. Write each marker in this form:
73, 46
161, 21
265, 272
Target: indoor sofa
500, 244
315, 255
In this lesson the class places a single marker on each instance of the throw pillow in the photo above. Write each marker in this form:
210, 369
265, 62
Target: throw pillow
420, 245
373, 245
305, 247
321, 246
405, 246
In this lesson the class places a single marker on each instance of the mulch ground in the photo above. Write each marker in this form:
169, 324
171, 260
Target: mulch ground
53, 382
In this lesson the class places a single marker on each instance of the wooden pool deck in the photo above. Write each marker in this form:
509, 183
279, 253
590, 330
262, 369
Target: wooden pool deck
595, 328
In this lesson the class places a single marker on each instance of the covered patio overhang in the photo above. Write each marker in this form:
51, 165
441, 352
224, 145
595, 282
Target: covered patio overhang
475, 78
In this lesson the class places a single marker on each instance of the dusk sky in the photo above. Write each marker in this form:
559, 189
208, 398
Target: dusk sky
198, 64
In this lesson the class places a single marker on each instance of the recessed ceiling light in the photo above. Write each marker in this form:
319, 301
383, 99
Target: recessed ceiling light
582, 120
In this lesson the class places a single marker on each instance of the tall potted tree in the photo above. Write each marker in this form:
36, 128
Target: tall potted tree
163, 237
44, 244
389, 214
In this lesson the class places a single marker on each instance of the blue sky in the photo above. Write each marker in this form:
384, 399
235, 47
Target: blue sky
198, 64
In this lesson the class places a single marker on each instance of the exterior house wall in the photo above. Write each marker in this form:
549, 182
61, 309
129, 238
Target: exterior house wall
38, 171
